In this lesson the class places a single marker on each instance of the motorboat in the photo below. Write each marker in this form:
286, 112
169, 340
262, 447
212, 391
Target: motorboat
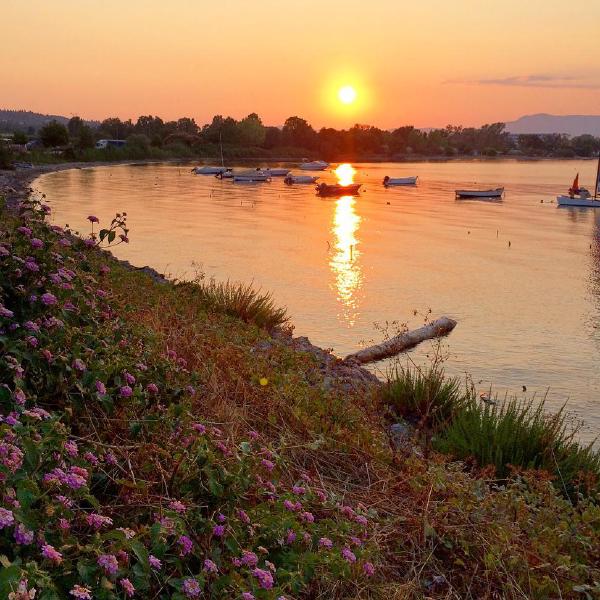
227, 174
336, 189
390, 181
208, 170
291, 179
256, 176
579, 196
277, 172
315, 165
493, 193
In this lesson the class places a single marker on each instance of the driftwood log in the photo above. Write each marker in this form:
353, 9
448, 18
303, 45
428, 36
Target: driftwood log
404, 341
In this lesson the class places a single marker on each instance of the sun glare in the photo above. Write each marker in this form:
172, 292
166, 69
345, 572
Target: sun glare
347, 94
345, 174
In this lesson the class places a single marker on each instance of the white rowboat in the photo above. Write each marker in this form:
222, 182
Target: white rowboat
291, 179
315, 165
495, 193
277, 172
251, 177
389, 181
207, 170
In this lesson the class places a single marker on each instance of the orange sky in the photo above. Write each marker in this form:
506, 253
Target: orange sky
427, 63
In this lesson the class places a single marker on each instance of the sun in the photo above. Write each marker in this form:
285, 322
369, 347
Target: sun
347, 94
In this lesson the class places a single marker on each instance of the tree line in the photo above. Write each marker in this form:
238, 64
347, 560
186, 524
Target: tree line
249, 136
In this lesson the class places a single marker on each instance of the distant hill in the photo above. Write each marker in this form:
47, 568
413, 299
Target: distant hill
543, 123
24, 120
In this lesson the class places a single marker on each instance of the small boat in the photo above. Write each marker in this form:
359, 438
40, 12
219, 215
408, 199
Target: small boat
336, 189
315, 165
580, 196
251, 176
389, 181
495, 193
227, 174
277, 172
291, 179
208, 170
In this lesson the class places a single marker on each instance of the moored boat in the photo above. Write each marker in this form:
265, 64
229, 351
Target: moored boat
291, 179
492, 193
251, 176
581, 197
336, 189
277, 172
315, 165
227, 174
390, 181
208, 170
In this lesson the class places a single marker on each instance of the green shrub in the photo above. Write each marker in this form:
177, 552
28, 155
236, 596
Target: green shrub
521, 434
240, 300
426, 397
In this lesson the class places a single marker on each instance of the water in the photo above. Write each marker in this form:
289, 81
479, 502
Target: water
521, 276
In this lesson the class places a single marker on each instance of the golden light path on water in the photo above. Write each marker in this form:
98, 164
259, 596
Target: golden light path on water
345, 262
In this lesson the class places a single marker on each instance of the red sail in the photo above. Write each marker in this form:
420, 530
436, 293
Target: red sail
575, 187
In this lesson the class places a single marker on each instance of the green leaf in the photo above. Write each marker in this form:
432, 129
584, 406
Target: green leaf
103, 233
9, 579
111, 237
142, 554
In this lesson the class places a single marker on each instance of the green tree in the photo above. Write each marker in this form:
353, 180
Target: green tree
54, 134
86, 137
187, 125
297, 132
74, 126
19, 137
115, 129
251, 131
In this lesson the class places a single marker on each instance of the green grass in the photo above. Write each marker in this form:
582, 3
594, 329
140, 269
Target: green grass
240, 300
522, 434
425, 397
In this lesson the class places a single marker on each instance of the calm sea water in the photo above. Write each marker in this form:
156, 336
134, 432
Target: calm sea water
521, 276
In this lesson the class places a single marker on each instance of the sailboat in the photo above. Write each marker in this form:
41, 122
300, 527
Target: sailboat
220, 172
579, 196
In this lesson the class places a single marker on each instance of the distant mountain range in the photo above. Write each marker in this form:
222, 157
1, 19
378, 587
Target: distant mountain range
22, 120
543, 123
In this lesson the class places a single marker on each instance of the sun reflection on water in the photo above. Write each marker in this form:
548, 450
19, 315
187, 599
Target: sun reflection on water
345, 262
345, 174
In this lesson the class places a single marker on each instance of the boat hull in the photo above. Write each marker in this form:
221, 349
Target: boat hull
278, 172
465, 194
582, 202
393, 181
251, 178
291, 179
208, 170
338, 190
314, 166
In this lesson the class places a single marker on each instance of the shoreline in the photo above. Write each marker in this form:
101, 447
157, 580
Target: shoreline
15, 186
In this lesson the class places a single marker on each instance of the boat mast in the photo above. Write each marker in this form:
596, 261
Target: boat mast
597, 184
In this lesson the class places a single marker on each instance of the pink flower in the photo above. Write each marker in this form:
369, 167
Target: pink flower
49, 299
22, 535
325, 543
191, 588
185, 545
210, 566
368, 569
96, 521
307, 517
298, 490
267, 464
37, 243
71, 448
218, 530
155, 563
348, 554
81, 593
93, 219
126, 391
361, 520
124, 238
291, 537
249, 558
6, 518
128, 587
51, 554
19, 396
79, 365
201, 429
177, 506
100, 387
265, 579
109, 563
248, 596
129, 378
152, 388
244, 518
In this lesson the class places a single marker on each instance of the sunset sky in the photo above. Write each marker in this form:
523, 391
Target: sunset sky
427, 63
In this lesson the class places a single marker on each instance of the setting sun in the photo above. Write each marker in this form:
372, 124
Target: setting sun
347, 94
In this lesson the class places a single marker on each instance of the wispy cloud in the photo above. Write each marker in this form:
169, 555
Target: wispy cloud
536, 81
